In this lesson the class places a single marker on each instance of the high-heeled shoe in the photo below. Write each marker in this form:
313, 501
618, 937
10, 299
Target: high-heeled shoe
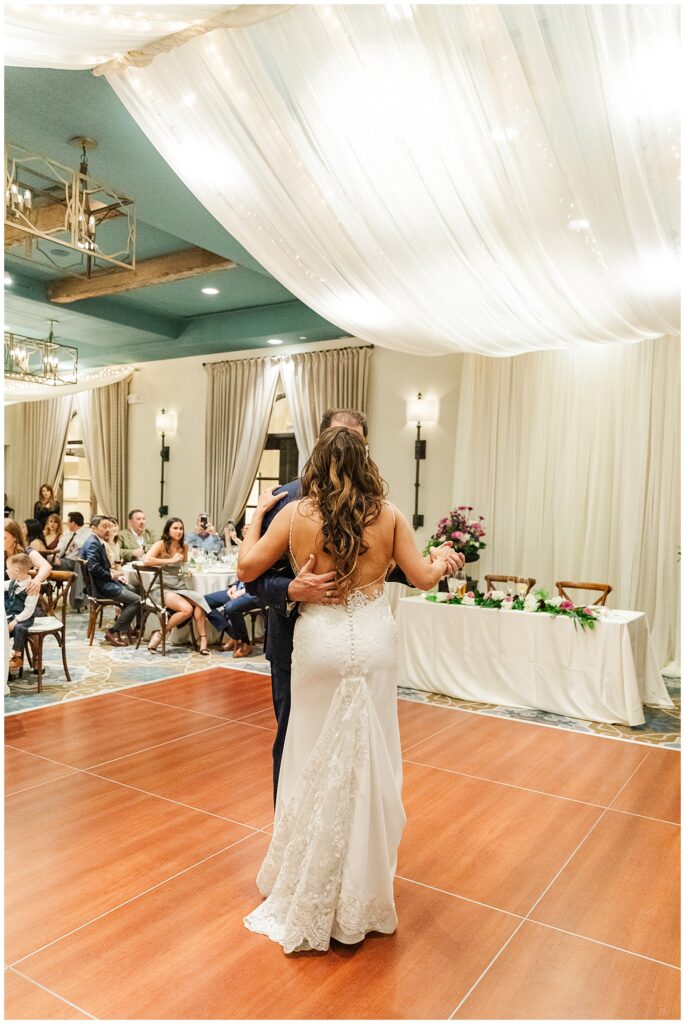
155, 640
204, 650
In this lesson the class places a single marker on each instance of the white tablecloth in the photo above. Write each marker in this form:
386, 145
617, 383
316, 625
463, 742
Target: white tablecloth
526, 660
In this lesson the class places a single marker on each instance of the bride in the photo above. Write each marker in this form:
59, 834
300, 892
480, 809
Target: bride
339, 818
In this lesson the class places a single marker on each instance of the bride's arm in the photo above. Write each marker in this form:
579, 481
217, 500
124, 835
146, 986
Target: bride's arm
420, 571
257, 554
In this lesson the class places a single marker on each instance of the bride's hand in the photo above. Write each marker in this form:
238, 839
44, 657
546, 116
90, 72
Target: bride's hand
267, 500
453, 559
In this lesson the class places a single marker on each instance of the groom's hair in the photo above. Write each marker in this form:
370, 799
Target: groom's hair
345, 417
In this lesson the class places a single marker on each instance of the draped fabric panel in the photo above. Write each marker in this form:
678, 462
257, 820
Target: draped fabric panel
239, 401
103, 416
574, 460
441, 178
316, 381
39, 460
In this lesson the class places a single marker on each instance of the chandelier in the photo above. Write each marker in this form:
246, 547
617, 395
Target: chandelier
40, 362
65, 219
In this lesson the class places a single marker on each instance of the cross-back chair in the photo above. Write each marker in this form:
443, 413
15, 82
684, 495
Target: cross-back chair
151, 589
96, 605
528, 580
604, 589
54, 600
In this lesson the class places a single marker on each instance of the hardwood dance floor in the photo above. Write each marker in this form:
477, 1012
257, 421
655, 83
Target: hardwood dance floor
537, 878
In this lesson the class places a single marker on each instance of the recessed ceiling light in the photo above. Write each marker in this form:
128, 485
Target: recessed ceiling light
275, 341
8, 278
210, 291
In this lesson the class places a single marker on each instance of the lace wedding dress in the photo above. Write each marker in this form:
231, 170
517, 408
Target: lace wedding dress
339, 818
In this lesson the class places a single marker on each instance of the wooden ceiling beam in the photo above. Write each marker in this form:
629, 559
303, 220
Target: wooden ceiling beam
173, 266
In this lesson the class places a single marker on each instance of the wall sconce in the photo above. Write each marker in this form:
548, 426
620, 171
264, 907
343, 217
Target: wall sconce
165, 423
420, 410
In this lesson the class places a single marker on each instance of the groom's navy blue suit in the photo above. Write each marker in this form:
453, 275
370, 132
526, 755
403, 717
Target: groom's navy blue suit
272, 591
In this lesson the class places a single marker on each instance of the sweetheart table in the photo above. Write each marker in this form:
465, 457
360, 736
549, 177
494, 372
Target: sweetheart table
532, 660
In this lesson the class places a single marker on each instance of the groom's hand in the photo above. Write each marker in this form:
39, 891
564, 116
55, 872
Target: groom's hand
312, 588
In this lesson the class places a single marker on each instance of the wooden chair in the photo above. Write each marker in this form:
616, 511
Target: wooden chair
253, 616
150, 586
53, 623
528, 580
604, 589
96, 605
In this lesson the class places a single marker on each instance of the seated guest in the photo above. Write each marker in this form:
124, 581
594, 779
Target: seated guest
113, 545
137, 539
52, 532
171, 552
20, 606
46, 505
33, 535
15, 545
228, 607
68, 550
107, 583
205, 536
72, 540
9, 511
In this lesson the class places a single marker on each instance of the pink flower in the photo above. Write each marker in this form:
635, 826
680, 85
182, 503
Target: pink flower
566, 606
470, 593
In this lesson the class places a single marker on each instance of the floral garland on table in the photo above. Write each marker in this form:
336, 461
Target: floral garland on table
465, 532
536, 601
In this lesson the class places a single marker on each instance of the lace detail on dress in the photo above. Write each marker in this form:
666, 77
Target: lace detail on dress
302, 872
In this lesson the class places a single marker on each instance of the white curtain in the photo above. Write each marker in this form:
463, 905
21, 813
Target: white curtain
83, 36
574, 459
316, 381
40, 457
239, 402
441, 178
103, 416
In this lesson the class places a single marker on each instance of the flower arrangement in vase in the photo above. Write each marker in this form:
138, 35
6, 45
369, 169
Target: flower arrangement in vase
464, 530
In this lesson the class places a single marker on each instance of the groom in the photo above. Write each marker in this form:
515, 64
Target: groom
282, 592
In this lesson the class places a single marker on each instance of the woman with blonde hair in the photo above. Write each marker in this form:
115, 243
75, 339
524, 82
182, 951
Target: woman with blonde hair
53, 531
339, 817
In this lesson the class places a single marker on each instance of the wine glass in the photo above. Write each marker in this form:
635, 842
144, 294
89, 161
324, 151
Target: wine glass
460, 582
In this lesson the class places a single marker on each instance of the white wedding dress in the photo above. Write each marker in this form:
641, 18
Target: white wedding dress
339, 818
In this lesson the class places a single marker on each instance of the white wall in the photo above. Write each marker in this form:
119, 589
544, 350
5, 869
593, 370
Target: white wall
180, 385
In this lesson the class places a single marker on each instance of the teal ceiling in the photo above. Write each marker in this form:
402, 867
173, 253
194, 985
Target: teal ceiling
43, 110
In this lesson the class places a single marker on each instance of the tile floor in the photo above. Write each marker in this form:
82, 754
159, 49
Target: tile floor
537, 878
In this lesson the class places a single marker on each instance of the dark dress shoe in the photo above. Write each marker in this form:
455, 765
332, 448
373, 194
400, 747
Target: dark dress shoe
114, 639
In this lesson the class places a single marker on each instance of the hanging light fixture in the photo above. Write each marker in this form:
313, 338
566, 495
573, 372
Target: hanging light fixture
54, 211
40, 362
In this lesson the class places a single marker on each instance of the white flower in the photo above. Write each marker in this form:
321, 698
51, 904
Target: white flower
468, 600
497, 595
441, 597
531, 603
555, 602
507, 604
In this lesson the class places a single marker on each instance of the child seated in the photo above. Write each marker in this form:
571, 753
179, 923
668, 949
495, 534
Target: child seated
20, 608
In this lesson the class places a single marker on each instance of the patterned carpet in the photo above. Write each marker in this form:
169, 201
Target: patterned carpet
102, 669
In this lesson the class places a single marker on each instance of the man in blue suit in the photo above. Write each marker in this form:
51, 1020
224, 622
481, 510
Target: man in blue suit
282, 592
106, 584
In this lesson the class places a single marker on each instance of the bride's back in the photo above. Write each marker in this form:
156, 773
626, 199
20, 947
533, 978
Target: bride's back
306, 538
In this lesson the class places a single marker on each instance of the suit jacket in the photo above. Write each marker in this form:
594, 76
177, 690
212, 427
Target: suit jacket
130, 543
272, 590
95, 555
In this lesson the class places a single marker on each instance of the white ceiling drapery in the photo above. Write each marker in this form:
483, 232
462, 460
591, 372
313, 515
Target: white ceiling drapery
438, 179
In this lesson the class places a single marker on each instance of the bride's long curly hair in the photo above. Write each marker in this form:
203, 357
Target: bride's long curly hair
347, 490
